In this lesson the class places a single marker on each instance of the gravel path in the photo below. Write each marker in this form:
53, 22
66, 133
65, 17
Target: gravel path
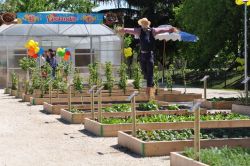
29, 137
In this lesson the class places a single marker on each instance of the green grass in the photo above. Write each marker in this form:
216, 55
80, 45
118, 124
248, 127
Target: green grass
222, 156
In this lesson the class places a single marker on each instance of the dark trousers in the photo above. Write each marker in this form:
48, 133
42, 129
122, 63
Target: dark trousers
147, 66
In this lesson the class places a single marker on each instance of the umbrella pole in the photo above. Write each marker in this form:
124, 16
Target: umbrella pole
163, 61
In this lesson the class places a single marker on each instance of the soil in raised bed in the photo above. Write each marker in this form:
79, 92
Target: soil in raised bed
216, 99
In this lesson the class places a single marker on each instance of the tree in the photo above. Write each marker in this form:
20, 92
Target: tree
218, 25
80, 6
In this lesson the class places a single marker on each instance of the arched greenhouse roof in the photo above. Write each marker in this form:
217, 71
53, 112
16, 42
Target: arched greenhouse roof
74, 30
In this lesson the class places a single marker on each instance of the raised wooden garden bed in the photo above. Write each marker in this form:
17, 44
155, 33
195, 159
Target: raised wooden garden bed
181, 97
226, 105
160, 148
111, 130
7, 90
13, 92
40, 101
55, 108
241, 109
76, 118
177, 159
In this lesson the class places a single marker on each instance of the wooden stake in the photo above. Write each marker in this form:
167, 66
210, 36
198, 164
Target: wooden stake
100, 107
69, 95
133, 117
197, 134
205, 89
50, 92
92, 105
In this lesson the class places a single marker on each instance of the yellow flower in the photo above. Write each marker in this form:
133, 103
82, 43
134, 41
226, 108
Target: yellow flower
240, 2
128, 52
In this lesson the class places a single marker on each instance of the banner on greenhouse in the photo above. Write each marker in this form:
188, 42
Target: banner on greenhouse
59, 18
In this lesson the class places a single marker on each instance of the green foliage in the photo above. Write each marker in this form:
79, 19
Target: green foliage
173, 107
108, 85
176, 118
78, 81
169, 77
47, 69
58, 82
216, 99
14, 81
157, 76
224, 156
123, 77
65, 68
35, 79
149, 106
137, 75
219, 27
187, 134
242, 99
118, 108
79, 6
127, 41
75, 110
26, 63
93, 74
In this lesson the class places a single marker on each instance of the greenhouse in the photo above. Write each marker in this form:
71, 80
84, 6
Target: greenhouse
88, 43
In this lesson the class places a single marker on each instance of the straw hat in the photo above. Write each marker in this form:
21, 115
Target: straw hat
144, 22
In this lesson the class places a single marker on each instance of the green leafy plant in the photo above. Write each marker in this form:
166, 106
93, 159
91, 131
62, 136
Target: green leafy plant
127, 41
137, 76
35, 79
216, 99
109, 84
118, 108
169, 77
26, 63
66, 68
46, 70
173, 107
93, 74
14, 81
242, 99
187, 134
78, 81
58, 82
75, 110
157, 77
149, 106
222, 156
123, 77
175, 118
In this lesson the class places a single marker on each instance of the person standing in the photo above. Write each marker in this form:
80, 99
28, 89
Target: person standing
52, 61
146, 36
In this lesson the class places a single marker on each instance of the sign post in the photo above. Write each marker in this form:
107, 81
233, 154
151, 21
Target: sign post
245, 82
204, 79
132, 99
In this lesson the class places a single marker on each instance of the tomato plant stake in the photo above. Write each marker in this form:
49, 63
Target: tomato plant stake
197, 132
69, 94
99, 93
